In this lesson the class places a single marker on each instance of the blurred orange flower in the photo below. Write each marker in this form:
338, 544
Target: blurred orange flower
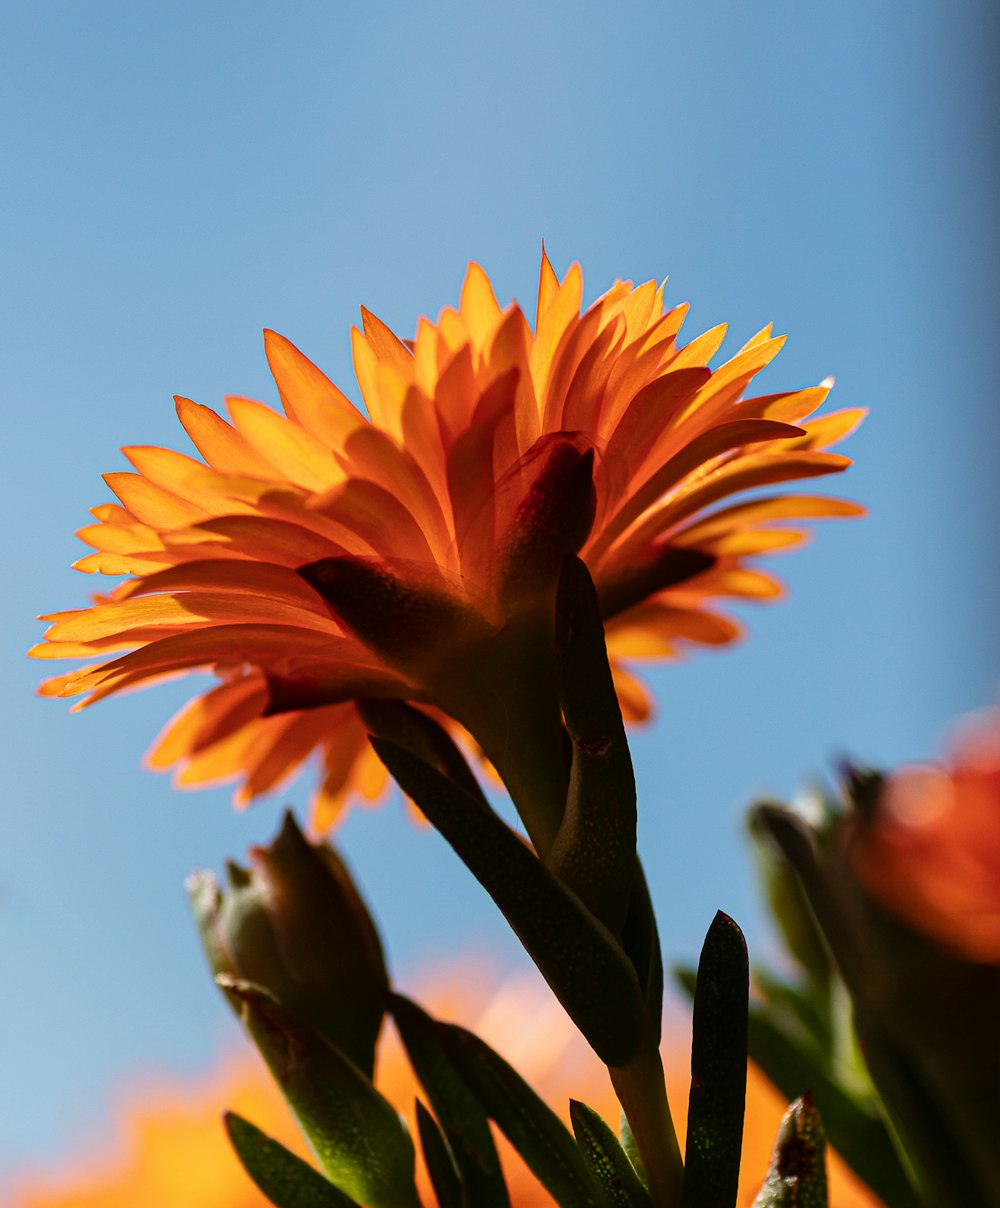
931, 855
320, 557
174, 1152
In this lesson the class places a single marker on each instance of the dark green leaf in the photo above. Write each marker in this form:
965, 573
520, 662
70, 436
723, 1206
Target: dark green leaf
407, 727
445, 1179
283, 1177
631, 1150
594, 850
718, 1069
796, 1177
854, 1124
534, 1130
587, 969
459, 1112
609, 1164
357, 1136
641, 942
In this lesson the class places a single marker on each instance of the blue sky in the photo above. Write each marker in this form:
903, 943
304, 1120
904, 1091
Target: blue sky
177, 177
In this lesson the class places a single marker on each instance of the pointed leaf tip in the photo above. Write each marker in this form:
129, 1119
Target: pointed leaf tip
796, 1177
440, 1162
355, 1133
286, 1180
530, 1125
461, 1116
717, 1099
608, 1161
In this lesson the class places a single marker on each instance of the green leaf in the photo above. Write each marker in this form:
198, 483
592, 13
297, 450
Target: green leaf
407, 727
440, 1163
718, 1069
796, 1177
641, 942
460, 1114
594, 850
282, 1176
587, 969
854, 1125
534, 1130
609, 1163
631, 1150
355, 1133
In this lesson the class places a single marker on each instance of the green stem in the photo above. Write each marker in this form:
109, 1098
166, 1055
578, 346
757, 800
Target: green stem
643, 1095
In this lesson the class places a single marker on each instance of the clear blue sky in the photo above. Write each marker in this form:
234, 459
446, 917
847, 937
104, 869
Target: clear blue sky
176, 177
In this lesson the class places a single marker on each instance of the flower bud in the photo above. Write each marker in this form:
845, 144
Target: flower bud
294, 924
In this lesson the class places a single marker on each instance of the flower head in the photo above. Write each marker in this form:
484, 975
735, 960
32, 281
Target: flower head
323, 556
931, 853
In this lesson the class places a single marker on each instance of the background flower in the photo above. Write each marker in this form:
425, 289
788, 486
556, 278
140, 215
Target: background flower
931, 853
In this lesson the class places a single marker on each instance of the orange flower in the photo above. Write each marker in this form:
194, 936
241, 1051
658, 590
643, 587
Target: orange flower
321, 557
175, 1152
931, 855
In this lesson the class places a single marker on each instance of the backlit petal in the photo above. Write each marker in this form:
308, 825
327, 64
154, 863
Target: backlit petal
319, 557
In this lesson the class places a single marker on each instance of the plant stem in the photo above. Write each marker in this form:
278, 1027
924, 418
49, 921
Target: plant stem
643, 1095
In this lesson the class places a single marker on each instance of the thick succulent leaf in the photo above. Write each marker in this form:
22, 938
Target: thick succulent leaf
718, 1069
630, 1149
282, 1176
440, 1163
641, 942
587, 969
460, 1114
609, 1164
594, 850
407, 727
854, 1125
534, 1130
796, 1177
355, 1133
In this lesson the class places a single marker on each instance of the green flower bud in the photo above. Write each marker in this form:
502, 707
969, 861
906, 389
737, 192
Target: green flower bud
294, 923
